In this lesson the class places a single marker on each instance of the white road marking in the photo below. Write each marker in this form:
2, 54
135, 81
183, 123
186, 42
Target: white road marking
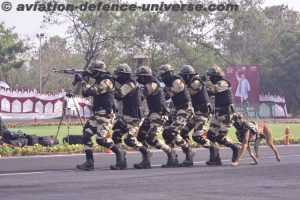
24, 173
266, 157
156, 165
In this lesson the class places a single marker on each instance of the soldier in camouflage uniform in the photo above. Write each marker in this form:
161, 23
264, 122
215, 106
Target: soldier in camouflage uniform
155, 120
201, 104
101, 121
179, 94
222, 120
127, 91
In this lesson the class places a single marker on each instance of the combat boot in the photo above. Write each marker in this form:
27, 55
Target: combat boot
172, 160
145, 164
120, 160
87, 166
188, 162
235, 152
214, 157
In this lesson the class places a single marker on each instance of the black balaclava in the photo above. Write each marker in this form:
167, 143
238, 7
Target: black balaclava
142, 79
214, 79
187, 77
122, 78
166, 78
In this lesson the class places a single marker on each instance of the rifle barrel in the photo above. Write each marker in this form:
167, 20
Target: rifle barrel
68, 71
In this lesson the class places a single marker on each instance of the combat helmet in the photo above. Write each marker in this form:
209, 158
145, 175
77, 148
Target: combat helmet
164, 69
187, 69
97, 65
143, 71
123, 68
215, 70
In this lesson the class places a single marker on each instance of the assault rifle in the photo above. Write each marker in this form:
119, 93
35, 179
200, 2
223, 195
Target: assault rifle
71, 71
77, 86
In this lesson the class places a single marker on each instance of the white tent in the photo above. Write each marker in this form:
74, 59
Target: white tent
3, 84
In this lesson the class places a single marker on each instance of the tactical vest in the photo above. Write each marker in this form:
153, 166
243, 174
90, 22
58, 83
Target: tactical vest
225, 98
156, 102
132, 103
242, 130
200, 99
104, 101
181, 99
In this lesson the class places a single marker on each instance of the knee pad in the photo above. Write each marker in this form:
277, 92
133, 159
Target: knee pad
119, 125
104, 142
184, 133
211, 136
145, 125
117, 136
199, 139
86, 138
151, 141
168, 136
141, 136
129, 141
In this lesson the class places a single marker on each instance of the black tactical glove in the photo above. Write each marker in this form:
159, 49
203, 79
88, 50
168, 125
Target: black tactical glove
78, 78
210, 109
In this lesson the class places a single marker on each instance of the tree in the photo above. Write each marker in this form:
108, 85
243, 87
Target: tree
93, 33
55, 54
265, 37
255, 31
285, 67
11, 49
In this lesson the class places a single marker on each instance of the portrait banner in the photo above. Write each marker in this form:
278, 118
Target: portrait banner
245, 80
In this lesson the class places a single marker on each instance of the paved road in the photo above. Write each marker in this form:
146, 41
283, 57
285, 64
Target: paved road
39, 178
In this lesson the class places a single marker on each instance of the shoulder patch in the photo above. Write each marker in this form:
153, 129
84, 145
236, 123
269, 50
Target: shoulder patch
151, 87
223, 84
108, 83
127, 88
177, 86
196, 85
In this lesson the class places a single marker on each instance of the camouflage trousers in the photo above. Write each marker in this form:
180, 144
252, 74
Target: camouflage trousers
100, 125
200, 124
151, 127
171, 132
218, 128
128, 127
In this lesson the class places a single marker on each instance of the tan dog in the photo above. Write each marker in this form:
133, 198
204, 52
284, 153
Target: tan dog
252, 132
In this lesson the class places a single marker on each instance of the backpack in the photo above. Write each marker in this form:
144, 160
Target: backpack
13, 135
73, 139
32, 140
20, 142
14, 138
48, 141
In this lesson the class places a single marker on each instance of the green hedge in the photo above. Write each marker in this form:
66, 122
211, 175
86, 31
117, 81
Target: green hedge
7, 151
